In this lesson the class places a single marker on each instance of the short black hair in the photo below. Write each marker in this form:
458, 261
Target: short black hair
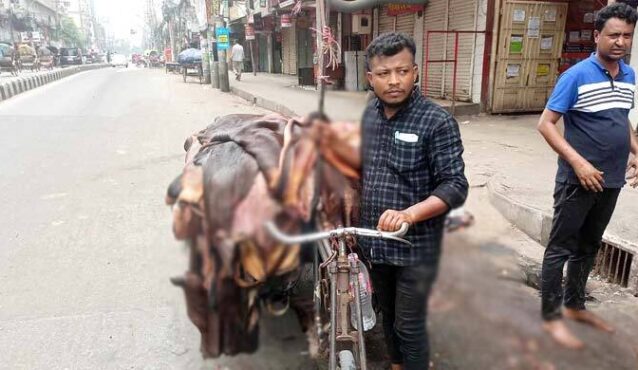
616, 10
389, 44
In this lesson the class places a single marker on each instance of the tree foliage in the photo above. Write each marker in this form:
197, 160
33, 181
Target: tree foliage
70, 34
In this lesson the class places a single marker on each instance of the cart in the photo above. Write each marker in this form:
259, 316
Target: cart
337, 286
8, 59
192, 69
172, 67
28, 58
47, 58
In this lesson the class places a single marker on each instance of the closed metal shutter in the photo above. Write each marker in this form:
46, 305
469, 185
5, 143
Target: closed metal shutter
463, 20
434, 46
289, 50
386, 23
405, 24
401, 23
441, 47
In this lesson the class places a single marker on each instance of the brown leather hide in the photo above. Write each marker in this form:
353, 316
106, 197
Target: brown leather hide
240, 172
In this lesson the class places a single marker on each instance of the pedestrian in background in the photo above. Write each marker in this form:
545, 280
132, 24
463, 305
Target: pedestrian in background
593, 98
237, 58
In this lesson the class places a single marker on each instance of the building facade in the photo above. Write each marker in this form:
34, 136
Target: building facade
29, 21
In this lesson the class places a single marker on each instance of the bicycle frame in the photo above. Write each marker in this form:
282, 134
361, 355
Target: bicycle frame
341, 271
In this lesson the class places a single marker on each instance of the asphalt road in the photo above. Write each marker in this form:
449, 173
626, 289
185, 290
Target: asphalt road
86, 248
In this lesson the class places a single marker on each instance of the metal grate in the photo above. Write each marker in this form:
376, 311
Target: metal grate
613, 264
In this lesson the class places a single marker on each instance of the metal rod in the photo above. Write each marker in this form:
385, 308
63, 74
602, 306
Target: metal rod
624, 269
323, 250
319, 18
317, 296
427, 60
611, 263
617, 270
456, 63
342, 248
442, 61
354, 275
333, 315
299, 239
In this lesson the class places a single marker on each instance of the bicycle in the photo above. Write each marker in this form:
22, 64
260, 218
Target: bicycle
343, 272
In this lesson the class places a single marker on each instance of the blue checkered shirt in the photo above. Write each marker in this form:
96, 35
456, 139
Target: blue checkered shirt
415, 154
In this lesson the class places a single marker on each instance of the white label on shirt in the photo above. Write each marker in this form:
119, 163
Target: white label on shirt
408, 138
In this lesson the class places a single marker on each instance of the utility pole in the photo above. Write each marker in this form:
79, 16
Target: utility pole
224, 84
212, 8
206, 48
11, 23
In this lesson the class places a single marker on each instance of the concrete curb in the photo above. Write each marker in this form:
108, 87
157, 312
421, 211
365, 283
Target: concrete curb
19, 85
537, 224
462, 110
263, 103
530, 220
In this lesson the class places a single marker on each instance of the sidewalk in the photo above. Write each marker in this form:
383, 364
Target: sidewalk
281, 93
506, 154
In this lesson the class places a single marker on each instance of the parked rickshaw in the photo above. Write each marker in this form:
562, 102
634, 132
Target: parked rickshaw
8, 59
138, 60
28, 58
153, 58
190, 61
47, 58
55, 52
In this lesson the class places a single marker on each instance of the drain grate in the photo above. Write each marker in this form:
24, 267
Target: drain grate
614, 264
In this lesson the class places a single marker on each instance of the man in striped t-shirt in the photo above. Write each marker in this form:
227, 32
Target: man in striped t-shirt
593, 98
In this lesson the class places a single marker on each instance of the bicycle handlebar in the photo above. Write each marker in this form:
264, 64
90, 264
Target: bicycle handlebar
339, 232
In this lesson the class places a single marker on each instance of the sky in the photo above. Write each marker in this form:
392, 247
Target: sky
120, 16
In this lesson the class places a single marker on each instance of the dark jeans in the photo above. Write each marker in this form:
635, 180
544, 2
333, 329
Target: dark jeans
402, 293
580, 219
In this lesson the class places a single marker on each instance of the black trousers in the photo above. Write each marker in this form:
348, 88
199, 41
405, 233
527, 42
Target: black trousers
402, 293
580, 219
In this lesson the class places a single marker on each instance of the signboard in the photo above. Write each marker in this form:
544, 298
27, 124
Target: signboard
249, 31
223, 39
398, 9
35, 36
533, 27
24, 37
286, 21
286, 3
516, 44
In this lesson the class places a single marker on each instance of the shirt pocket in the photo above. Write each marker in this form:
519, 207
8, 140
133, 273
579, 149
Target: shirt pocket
406, 156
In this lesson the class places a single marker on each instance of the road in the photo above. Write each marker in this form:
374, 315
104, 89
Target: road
86, 248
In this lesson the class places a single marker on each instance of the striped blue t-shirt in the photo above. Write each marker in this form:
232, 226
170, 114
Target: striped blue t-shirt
595, 110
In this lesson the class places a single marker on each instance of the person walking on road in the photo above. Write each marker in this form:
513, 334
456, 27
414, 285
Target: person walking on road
593, 98
412, 172
237, 58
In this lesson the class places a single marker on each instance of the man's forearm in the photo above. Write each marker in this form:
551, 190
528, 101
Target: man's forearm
559, 144
431, 207
634, 141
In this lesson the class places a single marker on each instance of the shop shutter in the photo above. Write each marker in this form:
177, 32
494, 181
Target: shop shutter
289, 50
386, 23
463, 20
405, 23
434, 46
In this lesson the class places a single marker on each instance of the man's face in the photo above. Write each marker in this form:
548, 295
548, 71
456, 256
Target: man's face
613, 42
393, 77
